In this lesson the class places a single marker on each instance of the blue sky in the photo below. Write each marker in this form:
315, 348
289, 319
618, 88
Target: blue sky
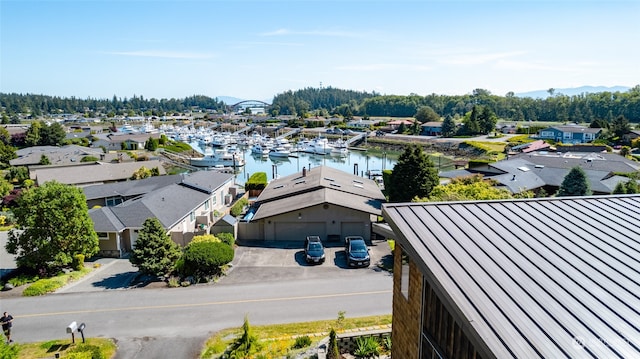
257, 49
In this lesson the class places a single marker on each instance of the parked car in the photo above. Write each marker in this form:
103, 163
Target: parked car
357, 251
313, 250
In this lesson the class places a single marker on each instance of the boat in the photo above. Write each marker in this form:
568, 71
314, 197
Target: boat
219, 157
260, 149
279, 152
340, 148
318, 146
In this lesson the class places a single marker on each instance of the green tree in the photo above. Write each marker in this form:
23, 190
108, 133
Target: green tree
5, 136
151, 144
575, 183
53, 225
632, 186
332, 351
414, 175
141, 173
52, 135
5, 187
155, 253
17, 175
487, 120
7, 153
448, 127
620, 126
473, 187
33, 134
426, 114
44, 160
620, 188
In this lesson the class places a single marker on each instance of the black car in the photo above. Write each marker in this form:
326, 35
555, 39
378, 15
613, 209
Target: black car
313, 250
357, 252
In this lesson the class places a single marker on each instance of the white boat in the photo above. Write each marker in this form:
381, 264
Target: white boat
279, 152
340, 148
318, 146
219, 157
260, 149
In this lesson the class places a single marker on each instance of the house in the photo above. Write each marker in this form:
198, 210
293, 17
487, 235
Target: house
84, 174
322, 201
569, 134
114, 193
116, 142
65, 155
630, 136
547, 170
185, 209
536, 278
432, 128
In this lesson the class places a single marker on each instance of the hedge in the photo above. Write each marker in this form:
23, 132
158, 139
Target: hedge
257, 181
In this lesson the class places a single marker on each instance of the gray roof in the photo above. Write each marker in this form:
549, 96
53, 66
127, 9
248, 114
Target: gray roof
92, 172
57, 155
169, 204
320, 185
129, 188
550, 278
575, 128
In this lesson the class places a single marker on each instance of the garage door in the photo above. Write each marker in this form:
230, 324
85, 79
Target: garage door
296, 231
353, 229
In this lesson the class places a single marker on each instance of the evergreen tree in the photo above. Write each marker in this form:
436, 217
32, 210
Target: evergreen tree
620, 188
53, 226
575, 183
620, 126
448, 127
487, 120
155, 253
414, 175
44, 160
632, 186
7, 153
33, 134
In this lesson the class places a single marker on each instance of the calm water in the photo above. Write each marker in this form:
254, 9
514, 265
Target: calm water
357, 162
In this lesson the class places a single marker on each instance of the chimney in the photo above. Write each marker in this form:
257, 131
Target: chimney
304, 171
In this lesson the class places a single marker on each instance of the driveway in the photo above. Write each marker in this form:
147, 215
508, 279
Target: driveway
253, 262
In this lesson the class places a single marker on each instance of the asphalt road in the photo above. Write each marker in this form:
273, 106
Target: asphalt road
271, 285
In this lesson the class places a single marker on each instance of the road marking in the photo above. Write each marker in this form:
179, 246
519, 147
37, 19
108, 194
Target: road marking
173, 306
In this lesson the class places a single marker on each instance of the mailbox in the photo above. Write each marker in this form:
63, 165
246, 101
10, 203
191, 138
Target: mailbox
71, 328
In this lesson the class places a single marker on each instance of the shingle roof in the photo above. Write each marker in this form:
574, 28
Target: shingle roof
57, 155
547, 278
93, 172
322, 184
574, 128
129, 188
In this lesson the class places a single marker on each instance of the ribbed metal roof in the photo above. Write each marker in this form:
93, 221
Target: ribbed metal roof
548, 278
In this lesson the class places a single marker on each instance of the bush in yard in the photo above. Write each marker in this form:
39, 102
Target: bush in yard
332, 351
205, 258
78, 262
302, 342
237, 208
367, 347
226, 238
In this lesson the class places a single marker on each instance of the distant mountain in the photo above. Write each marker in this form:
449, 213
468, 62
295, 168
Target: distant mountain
573, 91
229, 100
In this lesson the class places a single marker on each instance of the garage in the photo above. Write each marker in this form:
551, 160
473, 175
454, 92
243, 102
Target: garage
353, 229
298, 231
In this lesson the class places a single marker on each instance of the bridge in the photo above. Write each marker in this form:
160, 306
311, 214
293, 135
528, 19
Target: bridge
240, 106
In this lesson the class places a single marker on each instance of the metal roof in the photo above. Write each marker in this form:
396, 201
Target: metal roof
550, 278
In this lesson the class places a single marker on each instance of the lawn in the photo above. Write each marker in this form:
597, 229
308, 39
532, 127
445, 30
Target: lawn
93, 348
277, 341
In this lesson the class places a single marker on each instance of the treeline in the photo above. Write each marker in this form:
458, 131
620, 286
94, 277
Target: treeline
586, 107
38, 105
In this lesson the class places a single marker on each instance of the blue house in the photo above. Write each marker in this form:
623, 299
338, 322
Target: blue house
571, 134
433, 128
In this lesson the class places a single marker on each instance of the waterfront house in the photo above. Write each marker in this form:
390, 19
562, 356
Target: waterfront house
570, 134
431, 128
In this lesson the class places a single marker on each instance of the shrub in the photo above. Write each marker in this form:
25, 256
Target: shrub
257, 181
23, 279
237, 208
84, 350
44, 286
332, 351
226, 238
367, 347
206, 258
302, 342
89, 159
173, 282
78, 262
8, 351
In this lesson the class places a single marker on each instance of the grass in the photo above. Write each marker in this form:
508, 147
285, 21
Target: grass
48, 349
48, 285
278, 340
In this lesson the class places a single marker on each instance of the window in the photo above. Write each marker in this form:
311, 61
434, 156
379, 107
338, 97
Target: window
567, 135
103, 236
113, 201
546, 134
213, 200
404, 275
206, 205
192, 216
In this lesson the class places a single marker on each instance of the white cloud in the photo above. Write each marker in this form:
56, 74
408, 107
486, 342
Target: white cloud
163, 54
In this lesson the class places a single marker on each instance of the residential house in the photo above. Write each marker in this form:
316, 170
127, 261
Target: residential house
537, 278
630, 136
431, 128
65, 155
547, 170
570, 134
84, 174
185, 209
116, 142
322, 201
114, 193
